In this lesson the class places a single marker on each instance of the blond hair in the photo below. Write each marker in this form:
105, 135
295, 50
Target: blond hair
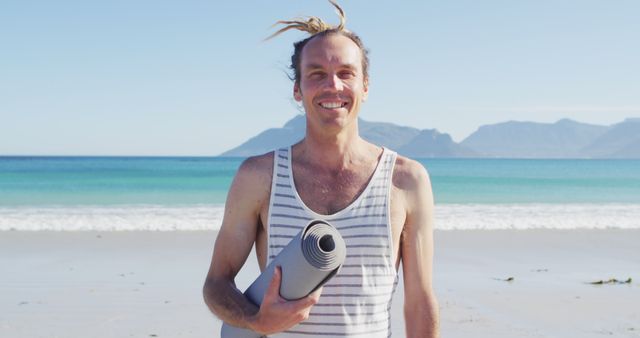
316, 27
312, 25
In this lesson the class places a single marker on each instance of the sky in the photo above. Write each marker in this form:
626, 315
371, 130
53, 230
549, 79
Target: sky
194, 78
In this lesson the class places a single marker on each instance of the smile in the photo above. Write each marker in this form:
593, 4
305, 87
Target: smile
333, 105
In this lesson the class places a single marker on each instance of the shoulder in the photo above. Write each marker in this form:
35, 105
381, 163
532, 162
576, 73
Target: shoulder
411, 182
409, 174
258, 167
254, 175
255, 167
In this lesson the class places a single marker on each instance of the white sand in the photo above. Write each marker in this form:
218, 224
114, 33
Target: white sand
148, 284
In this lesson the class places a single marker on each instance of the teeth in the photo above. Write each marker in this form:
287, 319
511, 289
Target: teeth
331, 105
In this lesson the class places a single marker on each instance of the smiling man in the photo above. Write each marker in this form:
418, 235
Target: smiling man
379, 201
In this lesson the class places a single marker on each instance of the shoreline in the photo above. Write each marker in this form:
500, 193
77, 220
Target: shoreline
202, 217
144, 283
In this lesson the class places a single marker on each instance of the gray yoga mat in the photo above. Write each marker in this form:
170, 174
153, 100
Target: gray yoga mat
312, 257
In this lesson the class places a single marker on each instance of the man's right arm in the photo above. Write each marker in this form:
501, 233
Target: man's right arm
247, 195
235, 239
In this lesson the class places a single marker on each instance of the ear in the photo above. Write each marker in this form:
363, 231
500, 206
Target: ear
366, 89
297, 94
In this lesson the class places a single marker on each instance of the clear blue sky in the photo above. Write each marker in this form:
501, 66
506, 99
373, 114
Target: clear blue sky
193, 77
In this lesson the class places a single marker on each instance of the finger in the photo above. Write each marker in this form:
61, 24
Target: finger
316, 294
303, 303
273, 290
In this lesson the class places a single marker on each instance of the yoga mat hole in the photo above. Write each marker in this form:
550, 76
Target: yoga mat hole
327, 244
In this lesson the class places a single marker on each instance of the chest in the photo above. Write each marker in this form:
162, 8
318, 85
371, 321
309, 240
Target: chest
328, 192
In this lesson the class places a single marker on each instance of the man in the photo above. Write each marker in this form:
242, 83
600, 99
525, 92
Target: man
380, 202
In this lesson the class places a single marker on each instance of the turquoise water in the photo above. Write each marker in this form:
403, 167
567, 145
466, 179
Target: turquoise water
34, 181
114, 180
534, 181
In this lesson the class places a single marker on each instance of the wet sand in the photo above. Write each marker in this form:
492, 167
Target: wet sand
502, 283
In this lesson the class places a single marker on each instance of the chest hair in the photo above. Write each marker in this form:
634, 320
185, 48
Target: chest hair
327, 192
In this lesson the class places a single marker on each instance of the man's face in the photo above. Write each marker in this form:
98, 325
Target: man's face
332, 84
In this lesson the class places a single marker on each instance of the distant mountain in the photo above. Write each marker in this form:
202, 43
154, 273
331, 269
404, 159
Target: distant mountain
270, 139
563, 139
406, 140
431, 143
621, 140
514, 139
387, 134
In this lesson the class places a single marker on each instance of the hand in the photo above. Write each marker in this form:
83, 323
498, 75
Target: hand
277, 314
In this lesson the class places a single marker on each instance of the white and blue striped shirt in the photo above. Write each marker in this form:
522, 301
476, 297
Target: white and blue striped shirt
357, 301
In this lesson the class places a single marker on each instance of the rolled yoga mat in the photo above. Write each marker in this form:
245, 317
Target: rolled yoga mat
312, 257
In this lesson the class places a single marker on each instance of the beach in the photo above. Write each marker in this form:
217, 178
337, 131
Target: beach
489, 283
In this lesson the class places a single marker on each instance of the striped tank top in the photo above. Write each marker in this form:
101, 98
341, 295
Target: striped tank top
357, 301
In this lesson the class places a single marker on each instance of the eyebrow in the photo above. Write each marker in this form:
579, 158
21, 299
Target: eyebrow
313, 66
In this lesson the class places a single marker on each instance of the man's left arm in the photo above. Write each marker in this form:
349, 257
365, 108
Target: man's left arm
420, 304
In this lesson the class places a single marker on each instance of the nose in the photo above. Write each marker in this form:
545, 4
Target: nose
334, 82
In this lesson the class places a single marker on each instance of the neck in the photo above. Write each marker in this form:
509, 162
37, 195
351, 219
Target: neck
334, 151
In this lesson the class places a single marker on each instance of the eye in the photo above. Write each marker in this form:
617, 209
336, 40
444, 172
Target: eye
347, 74
316, 75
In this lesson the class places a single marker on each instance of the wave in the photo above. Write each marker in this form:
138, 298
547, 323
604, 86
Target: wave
209, 217
112, 218
537, 216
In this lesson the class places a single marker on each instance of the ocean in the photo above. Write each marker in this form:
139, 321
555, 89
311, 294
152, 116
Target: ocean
188, 193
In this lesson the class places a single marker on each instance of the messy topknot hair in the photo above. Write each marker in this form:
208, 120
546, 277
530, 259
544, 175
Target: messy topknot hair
316, 27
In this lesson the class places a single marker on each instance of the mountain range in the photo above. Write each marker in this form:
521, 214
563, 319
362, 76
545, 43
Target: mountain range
513, 139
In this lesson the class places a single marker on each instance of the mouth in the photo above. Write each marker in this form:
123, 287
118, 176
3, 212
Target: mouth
333, 104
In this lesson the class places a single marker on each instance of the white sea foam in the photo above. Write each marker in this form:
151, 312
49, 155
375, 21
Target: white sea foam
112, 218
209, 217
537, 216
